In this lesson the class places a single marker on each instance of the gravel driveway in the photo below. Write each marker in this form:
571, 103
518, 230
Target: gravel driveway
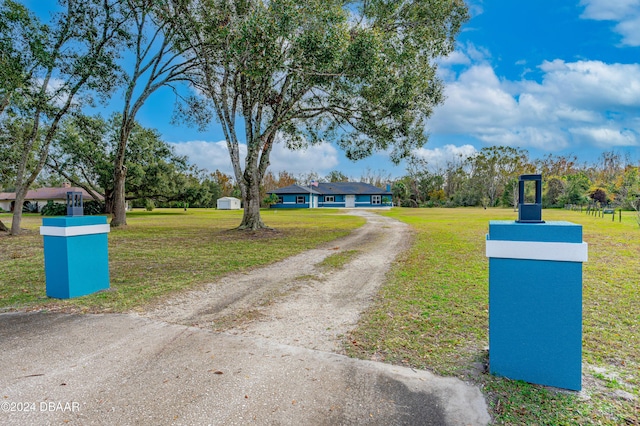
271, 365
298, 301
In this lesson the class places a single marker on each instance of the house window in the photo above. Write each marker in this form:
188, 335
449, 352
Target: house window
376, 199
329, 198
280, 199
300, 199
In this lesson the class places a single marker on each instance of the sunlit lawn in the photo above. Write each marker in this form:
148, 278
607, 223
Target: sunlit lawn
165, 251
433, 314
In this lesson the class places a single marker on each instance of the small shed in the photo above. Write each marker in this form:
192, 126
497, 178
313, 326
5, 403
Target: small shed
228, 203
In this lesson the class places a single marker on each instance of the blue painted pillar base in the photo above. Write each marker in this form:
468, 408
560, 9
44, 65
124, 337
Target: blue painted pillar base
76, 260
535, 302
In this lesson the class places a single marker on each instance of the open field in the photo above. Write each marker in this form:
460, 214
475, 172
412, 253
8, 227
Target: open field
165, 251
433, 314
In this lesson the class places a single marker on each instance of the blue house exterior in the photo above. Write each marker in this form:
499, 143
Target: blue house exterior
332, 195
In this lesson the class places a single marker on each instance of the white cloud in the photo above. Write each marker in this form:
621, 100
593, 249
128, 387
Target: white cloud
439, 157
465, 54
455, 58
608, 137
474, 101
575, 103
208, 155
593, 83
609, 10
625, 12
526, 136
215, 155
629, 29
321, 158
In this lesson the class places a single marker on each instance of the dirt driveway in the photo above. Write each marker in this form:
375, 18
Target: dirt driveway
298, 301
272, 365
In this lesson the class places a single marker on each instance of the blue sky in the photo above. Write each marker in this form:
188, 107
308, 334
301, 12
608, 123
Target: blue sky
549, 76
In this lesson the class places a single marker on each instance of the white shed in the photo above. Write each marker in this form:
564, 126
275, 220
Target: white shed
228, 203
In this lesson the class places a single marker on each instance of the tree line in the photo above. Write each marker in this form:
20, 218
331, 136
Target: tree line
83, 151
489, 178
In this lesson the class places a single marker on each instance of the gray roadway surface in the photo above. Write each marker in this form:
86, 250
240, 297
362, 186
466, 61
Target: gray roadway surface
124, 369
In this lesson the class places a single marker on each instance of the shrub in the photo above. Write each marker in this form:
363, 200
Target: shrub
140, 203
92, 207
54, 209
599, 195
270, 200
149, 205
29, 207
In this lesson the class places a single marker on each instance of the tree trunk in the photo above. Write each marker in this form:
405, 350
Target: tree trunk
21, 193
3, 227
119, 208
108, 202
251, 219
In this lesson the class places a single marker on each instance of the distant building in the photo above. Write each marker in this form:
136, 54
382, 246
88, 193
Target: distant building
332, 194
228, 203
40, 197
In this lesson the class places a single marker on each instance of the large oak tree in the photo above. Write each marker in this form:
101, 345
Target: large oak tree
84, 153
361, 73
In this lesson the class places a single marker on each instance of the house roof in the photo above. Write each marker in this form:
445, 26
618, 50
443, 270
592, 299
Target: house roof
294, 189
337, 188
228, 198
334, 188
48, 194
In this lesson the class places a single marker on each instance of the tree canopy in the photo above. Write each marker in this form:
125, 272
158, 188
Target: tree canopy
360, 73
84, 151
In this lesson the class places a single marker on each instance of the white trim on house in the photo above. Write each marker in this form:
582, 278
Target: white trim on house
535, 250
73, 231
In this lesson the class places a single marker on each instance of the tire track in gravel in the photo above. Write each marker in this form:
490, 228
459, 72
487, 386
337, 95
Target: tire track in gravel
297, 301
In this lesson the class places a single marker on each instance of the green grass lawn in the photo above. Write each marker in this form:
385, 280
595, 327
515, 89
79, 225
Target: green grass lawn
433, 314
165, 251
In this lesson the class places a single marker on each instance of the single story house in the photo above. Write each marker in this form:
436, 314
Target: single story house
40, 197
228, 203
332, 194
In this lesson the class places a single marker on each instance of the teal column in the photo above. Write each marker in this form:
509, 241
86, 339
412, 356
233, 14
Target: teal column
535, 302
76, 258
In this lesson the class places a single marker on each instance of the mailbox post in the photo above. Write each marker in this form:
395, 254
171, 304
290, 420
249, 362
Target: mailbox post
535, 297
75, 252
